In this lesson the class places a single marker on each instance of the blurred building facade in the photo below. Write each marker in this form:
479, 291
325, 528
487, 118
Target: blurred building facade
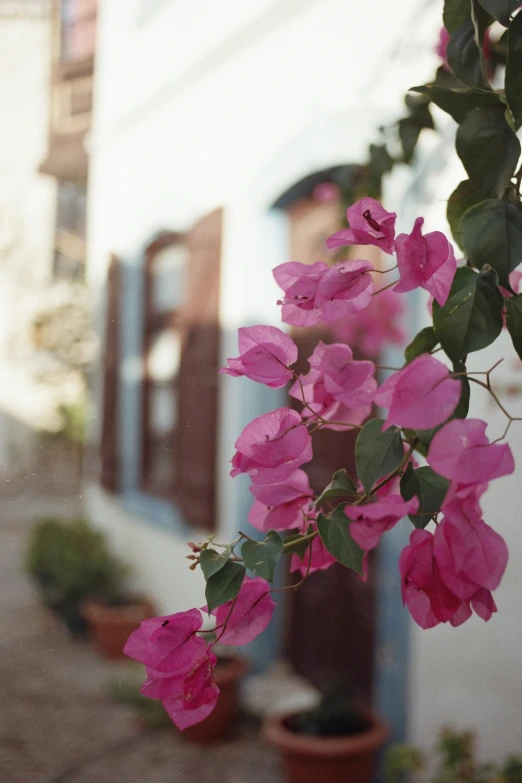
212, 127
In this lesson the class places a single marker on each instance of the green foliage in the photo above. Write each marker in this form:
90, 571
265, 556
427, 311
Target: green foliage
334, 530
340, 486
455, 12
377, 453
262, 557
492, 234
464, 56
211, 561
461, 411
514, 322
429, 487
224, 585
455, 762
489, 150
500, 10
471, 319
424, 342
71, 561
295, 544
514, 70
463, 198
458, 102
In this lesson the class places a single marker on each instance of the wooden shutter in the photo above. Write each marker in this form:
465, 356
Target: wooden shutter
195, 440
109, 433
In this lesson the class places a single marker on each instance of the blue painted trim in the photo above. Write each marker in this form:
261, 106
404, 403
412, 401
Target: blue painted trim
157, 512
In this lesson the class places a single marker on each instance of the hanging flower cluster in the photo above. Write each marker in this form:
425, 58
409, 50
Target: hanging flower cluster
454, 559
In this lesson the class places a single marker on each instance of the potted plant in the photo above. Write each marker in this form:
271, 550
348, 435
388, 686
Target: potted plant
221, 721
334, 742
455, 762
69, 561
112, 615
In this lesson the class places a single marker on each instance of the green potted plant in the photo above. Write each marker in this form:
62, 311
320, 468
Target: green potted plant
334, 742
455, 762
79, 579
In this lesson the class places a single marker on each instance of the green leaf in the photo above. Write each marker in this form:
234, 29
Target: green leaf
409, 132
377, 453
463, 198
300, 547
462, 409
459, 102
500, 10
471, 319
489, 150
514, 322
514, 70
492, 234
424, 342
334, 530
455, 12
340, 486
464, 56
224, 586
211, 561
380, 159
261, 557
429, 487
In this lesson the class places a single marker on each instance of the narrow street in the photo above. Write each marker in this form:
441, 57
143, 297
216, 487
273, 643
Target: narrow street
57, 724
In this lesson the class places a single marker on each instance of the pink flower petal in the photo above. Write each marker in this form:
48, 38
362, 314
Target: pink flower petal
371, 520
265, 355
251, 613
370, 224
425, 262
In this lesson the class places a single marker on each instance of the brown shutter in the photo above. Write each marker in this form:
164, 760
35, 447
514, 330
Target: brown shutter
109, 433
195, 438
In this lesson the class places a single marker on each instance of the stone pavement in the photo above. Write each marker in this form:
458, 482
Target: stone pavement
57, 724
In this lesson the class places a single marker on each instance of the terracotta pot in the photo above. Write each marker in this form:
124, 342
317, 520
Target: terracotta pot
221, 720
310, 759
110, 626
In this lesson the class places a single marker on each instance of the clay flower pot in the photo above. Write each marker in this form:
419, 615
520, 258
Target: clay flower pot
310, 759
110, 626
221, 720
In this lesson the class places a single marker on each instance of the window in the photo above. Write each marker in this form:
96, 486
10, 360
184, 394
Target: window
69, 253
78, 29
165, 287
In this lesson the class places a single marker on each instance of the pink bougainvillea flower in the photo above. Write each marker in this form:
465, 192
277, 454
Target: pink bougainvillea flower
425, 262
279, 506
483, 604
179, 665
299, 283
371, 520
321, 403
319, 559
470, 554
462, 452
420, 396
370, 224
348, 381
272, 447
423, 591
250, 614
265, 356
442, 47
344, 289
375, 327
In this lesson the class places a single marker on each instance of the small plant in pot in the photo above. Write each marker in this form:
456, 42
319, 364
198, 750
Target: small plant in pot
334, 742
454, 762
69, 561
112, 615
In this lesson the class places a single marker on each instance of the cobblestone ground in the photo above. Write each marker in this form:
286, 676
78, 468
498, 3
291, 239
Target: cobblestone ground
57, 724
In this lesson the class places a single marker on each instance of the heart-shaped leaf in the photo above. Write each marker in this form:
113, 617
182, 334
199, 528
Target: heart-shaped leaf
224, 585
429, 487
334, 530
424, 342
261, 557
463, 198
340, 486
377, 453
492, 234
211, 561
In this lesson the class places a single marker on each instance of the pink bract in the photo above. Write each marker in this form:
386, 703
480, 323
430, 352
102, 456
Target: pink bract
376, 326
250, 615
348, 381
272, 447
442, 46
344, 289
299, 283
420, 396
462, 452
370, 224
321, 559
423, 591
265, 355
279, 506
371, 520
425, 261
